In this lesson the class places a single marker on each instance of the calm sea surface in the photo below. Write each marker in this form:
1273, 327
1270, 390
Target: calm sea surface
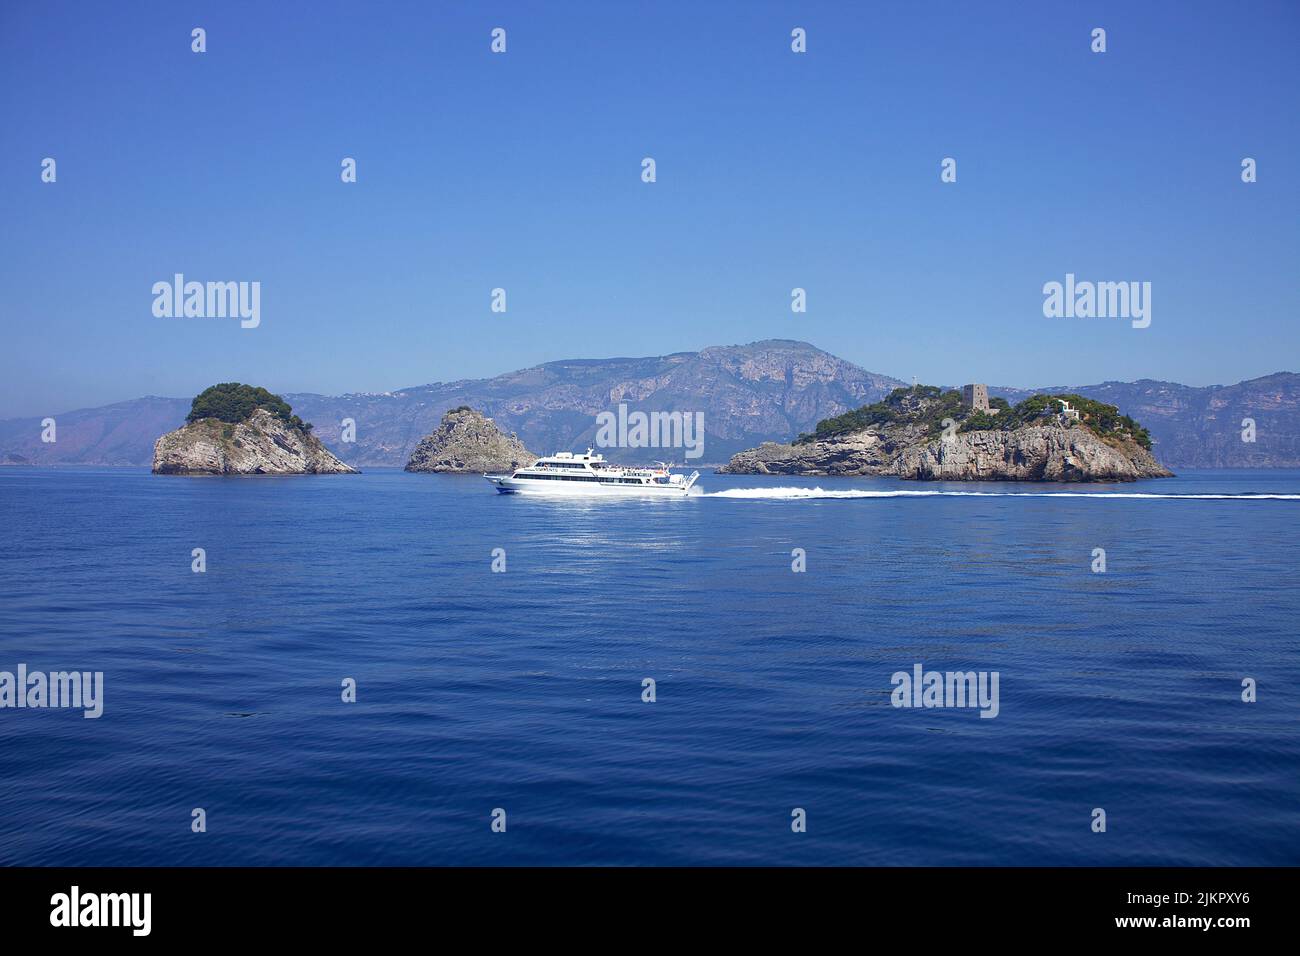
522, 690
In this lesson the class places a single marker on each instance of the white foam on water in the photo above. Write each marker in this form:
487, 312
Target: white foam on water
795, 494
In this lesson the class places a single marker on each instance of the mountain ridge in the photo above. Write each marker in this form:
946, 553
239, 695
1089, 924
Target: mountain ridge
769, 390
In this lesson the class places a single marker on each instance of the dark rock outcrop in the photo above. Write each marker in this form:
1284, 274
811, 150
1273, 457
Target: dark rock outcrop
467, 442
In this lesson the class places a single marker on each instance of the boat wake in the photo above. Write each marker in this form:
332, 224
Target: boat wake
795, 494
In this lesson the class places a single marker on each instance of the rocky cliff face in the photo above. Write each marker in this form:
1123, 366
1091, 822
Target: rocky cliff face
263, 444
868, 452
467, 442
1039, 453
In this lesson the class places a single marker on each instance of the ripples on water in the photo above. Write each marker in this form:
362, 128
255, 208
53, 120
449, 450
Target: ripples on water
523, 690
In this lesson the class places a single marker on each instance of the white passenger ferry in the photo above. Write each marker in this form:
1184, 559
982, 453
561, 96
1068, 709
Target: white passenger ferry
565, 473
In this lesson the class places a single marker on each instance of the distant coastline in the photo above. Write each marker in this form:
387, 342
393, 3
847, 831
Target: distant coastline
749, 394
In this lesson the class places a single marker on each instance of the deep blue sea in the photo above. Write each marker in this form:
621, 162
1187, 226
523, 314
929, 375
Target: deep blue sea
522, 690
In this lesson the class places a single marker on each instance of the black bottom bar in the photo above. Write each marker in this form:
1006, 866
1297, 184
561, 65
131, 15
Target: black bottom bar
334, 905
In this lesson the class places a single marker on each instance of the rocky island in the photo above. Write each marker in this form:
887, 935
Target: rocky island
926, 433
466, 442
236, 429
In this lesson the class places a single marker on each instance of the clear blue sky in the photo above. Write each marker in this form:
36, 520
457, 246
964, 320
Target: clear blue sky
522, 170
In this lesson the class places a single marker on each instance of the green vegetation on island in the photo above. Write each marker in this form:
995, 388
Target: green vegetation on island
929, 406
234, 402
1104, 420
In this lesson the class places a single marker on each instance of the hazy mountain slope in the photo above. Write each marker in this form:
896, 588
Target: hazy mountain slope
117, 434
746, 393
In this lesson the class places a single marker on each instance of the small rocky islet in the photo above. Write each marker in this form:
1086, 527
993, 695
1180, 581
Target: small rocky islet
928, 433
237, 429
468, 442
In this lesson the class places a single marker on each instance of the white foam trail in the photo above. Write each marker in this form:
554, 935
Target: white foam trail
794, 494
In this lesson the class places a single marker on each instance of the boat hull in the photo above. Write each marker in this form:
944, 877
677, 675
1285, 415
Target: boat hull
508, 485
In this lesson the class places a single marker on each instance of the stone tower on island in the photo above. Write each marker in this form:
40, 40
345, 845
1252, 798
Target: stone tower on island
975, 398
